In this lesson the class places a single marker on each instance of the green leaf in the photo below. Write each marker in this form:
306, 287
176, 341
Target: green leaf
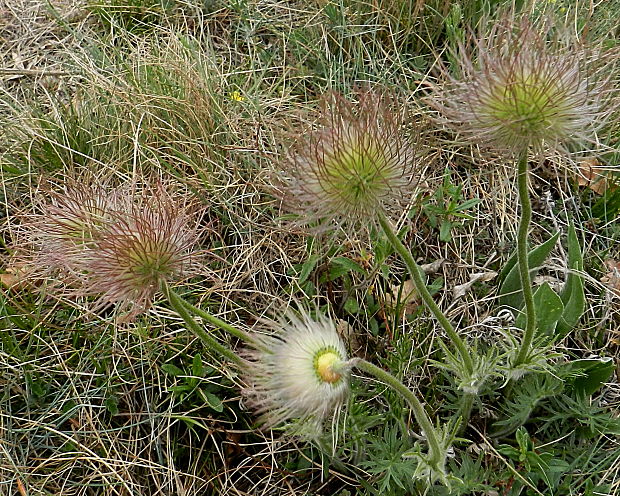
574, 248
549, 310
444, 231
608, 206
351, 306
181, 389
575, 262
348, 265
213, 401
111, 404
526, 396
172, 370
191, 422
434, 286
512, 261
573, 295
374, 327
573, 309
523, 439
592, 490
382, 248
594, 372
307, 267
467, 204
511, 293
509, 451
556, 468
197, 368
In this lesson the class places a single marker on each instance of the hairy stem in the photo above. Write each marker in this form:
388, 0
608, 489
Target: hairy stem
467, 403
416, 274
435, 449
524, 269
179, 306
212, 319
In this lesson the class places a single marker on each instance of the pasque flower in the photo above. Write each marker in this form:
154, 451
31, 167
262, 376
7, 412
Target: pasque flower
524, 86
143, 246
117, 245
298, 372
120, 246
356, 163
525, 89
301, 371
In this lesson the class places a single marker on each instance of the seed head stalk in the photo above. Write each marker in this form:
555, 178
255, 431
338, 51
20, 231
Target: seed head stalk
434, 444
467, 405
416, 273
179, 306
212, 319
524, 269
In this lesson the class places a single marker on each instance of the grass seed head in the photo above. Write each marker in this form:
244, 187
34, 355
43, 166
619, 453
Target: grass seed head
356, 163
298, 373
525, 87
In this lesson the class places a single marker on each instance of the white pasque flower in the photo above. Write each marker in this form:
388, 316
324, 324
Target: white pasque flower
299, 372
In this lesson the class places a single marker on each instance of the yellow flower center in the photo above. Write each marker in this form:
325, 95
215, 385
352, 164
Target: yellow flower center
324, 366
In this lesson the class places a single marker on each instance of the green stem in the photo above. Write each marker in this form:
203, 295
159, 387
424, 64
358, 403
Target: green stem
212, 319
179, 307
416, 274
435, 449
524, 269
467, 403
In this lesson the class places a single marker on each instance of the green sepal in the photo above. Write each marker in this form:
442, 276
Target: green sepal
549, 308
510, 292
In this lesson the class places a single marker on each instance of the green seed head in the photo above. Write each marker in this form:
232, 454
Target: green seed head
357, 164
526, 107
357, 173
524, 88
325, 363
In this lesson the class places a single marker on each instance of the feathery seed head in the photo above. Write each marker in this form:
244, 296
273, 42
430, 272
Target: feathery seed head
356, 163
526, 88
66, 227
117, 245
142, 248
300, 372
